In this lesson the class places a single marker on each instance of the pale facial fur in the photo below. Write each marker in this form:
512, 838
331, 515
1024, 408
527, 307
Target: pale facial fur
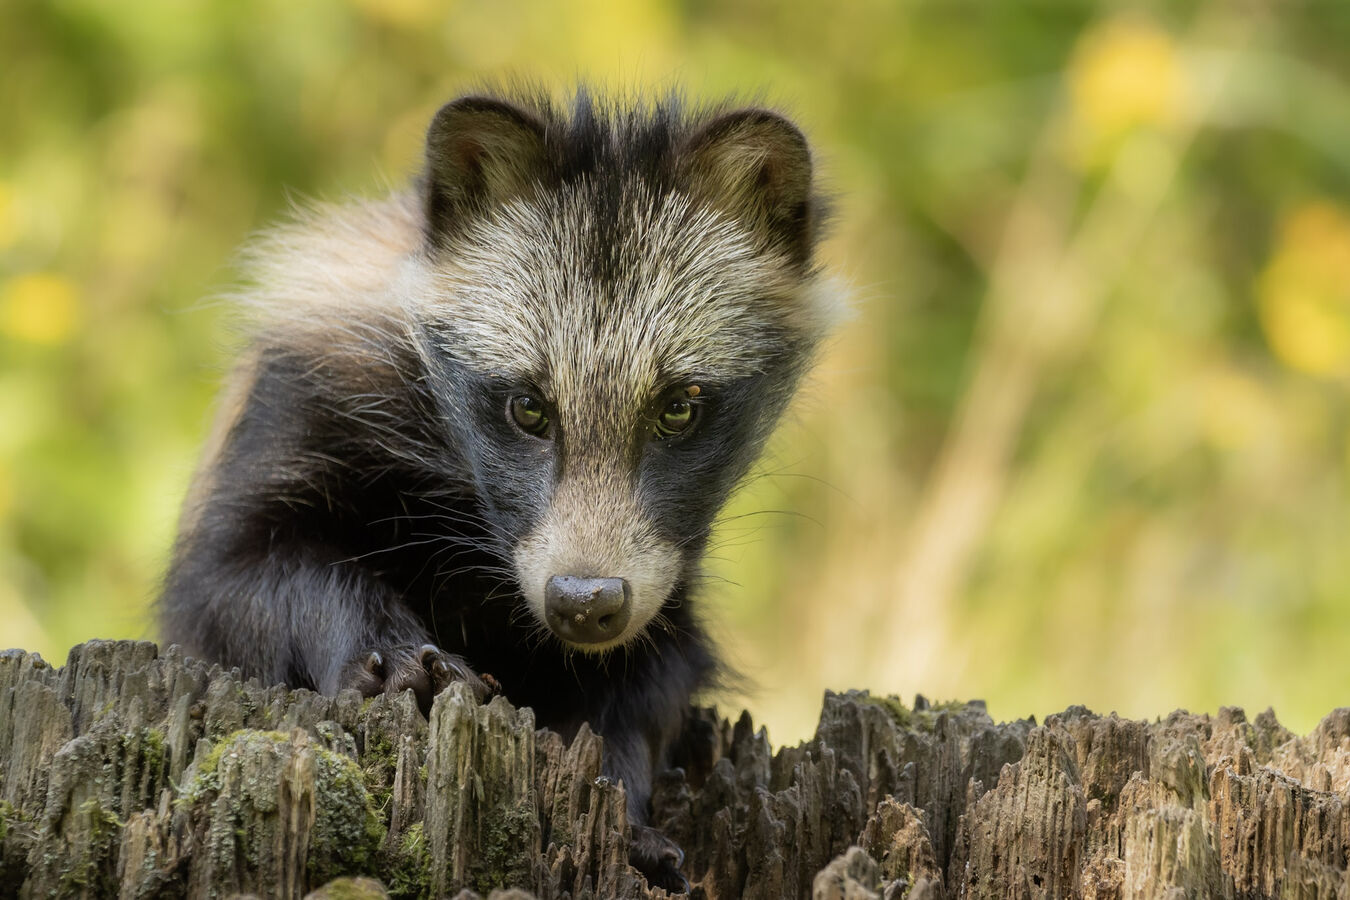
688, 300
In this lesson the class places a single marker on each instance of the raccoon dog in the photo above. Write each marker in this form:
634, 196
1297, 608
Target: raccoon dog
484, 425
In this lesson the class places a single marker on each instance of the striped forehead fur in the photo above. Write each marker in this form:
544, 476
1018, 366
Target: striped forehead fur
684, 291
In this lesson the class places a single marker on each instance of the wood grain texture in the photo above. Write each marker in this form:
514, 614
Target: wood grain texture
134, 773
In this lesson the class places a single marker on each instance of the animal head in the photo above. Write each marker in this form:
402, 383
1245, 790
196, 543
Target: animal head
617, 307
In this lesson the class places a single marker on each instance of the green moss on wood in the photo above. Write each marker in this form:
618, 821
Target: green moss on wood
8, 814
407, 868
501, 864
379, 761
205, 781
86, 869
924, 720
154, 749
347, 829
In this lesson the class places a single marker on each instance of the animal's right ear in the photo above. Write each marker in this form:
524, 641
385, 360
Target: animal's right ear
481, 152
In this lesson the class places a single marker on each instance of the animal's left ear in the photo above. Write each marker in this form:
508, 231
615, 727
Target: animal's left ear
756, 165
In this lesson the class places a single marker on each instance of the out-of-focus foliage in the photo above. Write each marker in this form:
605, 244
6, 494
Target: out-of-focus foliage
1084, 441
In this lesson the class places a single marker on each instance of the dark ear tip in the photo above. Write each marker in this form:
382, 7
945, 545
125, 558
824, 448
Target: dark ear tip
455, 115
756, 164
480, 150
755, 122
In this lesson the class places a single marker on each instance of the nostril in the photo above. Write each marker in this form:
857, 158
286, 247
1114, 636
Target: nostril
585, 610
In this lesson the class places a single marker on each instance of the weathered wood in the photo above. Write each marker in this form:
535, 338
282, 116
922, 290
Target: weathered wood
133, 773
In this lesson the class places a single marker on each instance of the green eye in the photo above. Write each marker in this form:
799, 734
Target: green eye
528, 413
678, 414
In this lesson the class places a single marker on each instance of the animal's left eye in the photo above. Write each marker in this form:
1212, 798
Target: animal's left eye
677, 414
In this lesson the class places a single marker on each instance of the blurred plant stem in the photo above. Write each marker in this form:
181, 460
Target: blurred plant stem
1047, 284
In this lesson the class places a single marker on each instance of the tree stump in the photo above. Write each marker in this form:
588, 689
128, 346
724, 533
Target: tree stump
133, 773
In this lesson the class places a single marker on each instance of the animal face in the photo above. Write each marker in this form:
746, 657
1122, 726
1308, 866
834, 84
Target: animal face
611, 376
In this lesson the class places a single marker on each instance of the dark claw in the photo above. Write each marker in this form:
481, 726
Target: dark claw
437, 663
426, 670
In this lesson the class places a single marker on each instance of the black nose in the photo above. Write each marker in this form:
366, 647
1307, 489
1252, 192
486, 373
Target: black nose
586, 610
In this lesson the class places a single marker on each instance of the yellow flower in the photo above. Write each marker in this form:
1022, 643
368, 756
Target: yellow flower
1125, 73
1303, 295
40, 308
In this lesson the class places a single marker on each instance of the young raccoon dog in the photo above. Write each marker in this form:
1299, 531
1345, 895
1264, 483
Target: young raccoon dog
484, 425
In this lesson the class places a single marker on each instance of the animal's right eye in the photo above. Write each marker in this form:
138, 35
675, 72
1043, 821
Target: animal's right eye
529, 414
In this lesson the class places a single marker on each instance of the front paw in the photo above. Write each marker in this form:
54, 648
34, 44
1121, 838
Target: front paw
659, 858
426, 670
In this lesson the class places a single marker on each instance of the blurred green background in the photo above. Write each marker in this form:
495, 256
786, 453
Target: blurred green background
1083, 441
